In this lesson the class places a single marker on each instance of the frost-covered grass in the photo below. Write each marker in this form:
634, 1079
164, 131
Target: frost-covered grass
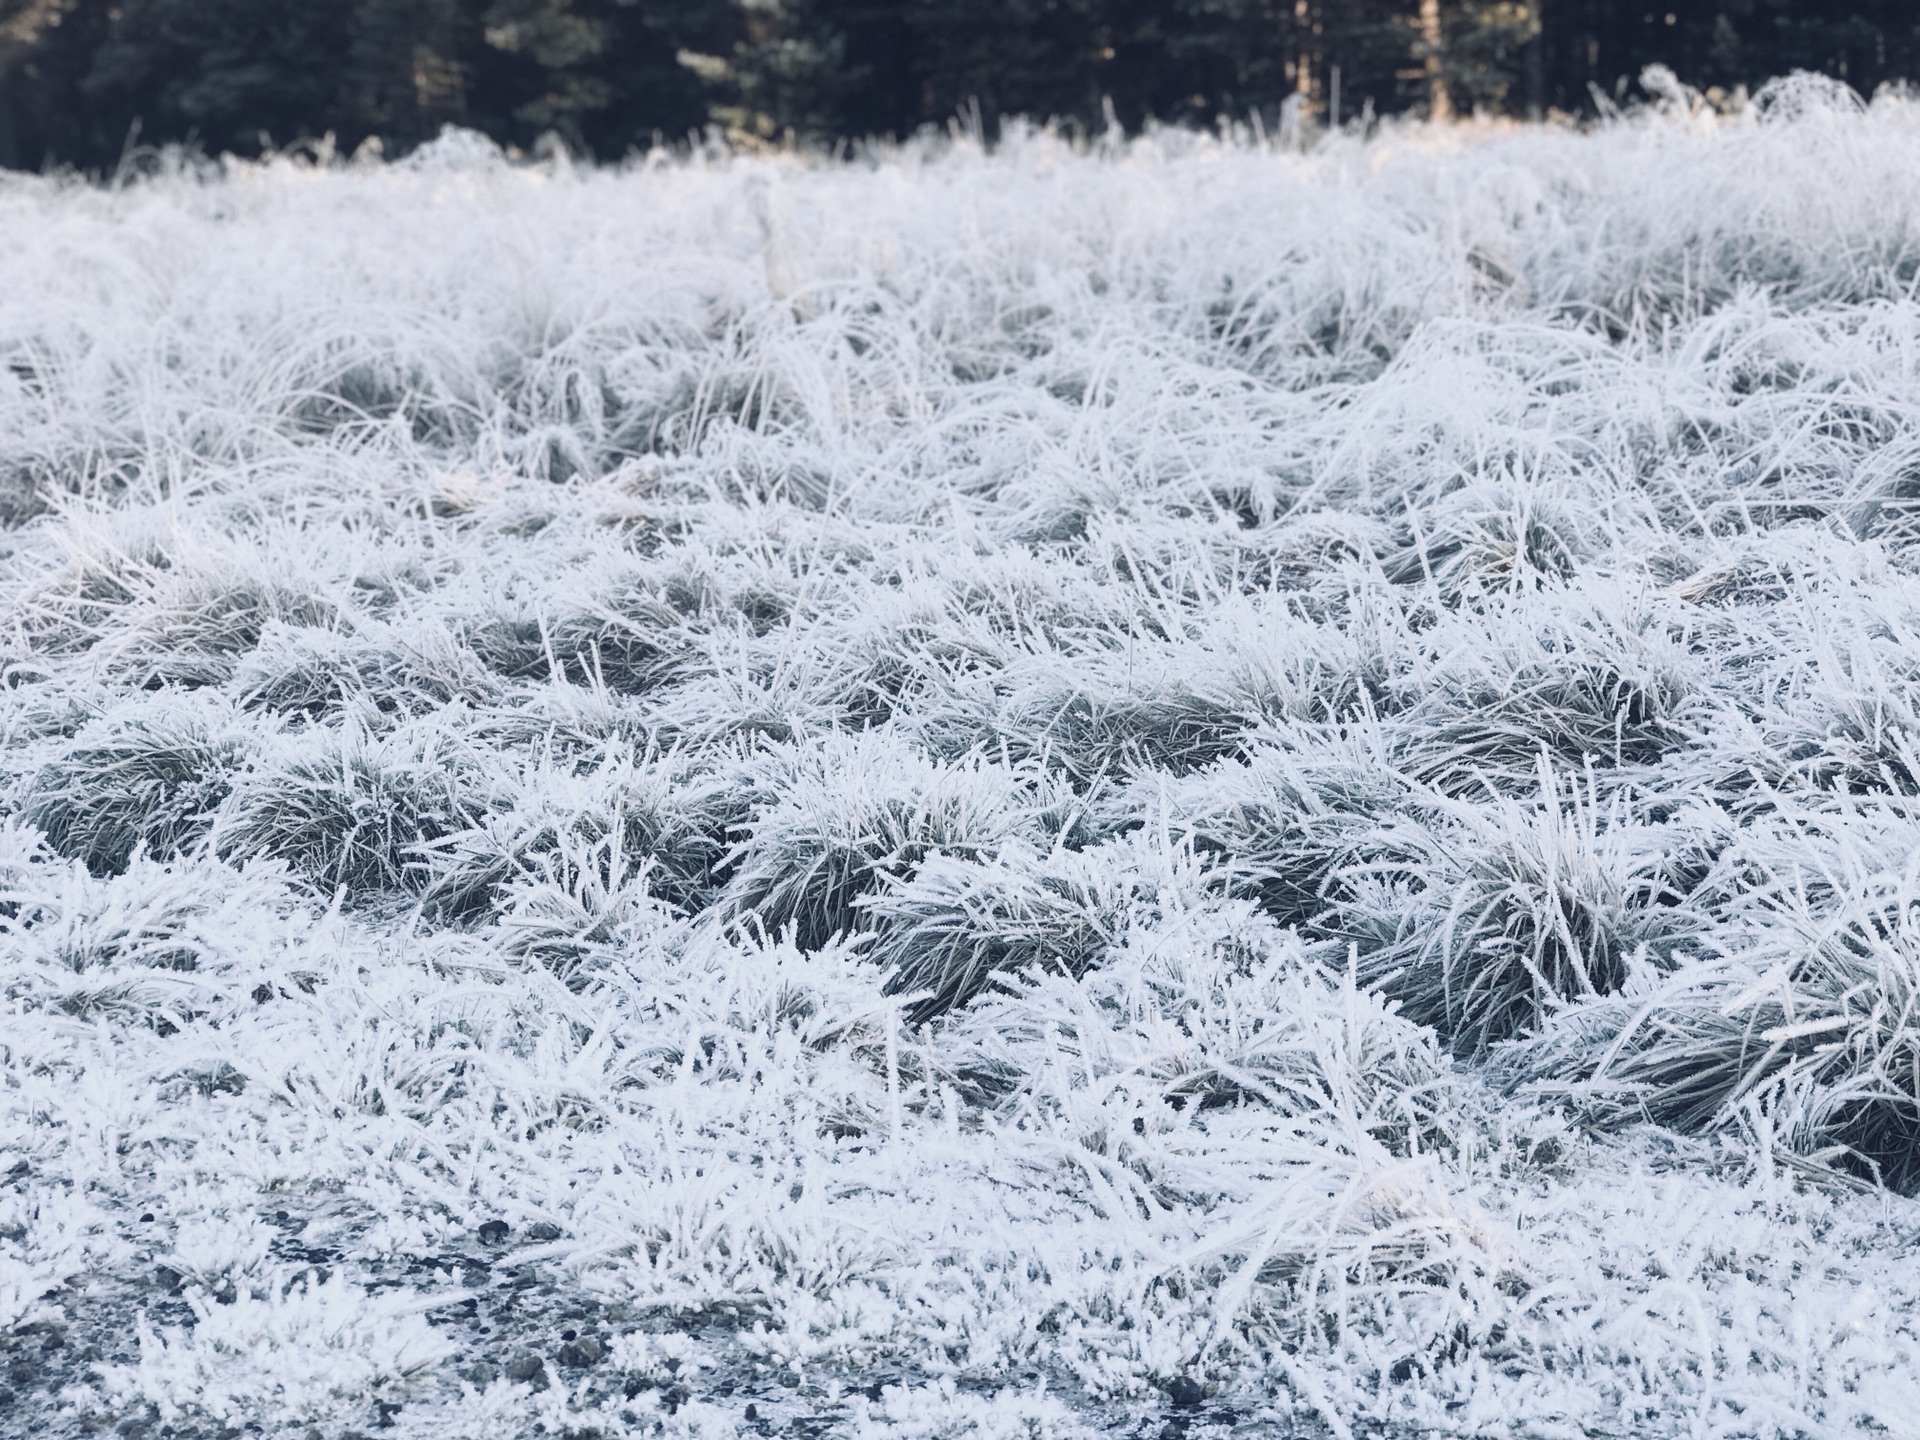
969, 795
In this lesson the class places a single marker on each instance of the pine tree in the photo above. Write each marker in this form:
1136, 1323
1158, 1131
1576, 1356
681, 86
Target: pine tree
779, 71
606, 75
1481, 56
42, 47
225, 72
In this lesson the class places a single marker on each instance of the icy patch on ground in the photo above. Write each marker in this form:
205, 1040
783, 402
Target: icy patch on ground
1194, 788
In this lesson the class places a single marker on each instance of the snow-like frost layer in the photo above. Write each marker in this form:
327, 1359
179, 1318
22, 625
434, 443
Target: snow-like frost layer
969, 795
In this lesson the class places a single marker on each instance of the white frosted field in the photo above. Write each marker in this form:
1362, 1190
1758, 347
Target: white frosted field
1176, 788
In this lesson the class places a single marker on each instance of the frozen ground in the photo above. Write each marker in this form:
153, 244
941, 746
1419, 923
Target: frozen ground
1178, 790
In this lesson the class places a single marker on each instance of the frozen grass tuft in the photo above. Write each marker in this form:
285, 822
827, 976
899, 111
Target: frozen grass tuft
1282, 822
1807, 1036
950, 929
839, 825
1485, 926
354, 811
149, 778
304, 1349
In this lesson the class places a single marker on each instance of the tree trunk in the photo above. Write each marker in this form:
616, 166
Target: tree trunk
1439, 104
1303, 59
1534, 64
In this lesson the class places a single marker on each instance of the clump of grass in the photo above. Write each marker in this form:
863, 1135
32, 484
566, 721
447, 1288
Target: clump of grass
1281, 823
191, 630
307, 670
153, 916
1315, 552
516, 647
1588, 687
1106, 724
28, 866
578, 903
1170, 726
1211, 1072
1206, 1007
660, 810
1838, 724
1014, 593
839, 821
628, 640
375, 374
1490, 537
150, 778
1486, 926
316, 672
1851, 744
66, 611
954, 926
1811, 1036
351, 811
909, 648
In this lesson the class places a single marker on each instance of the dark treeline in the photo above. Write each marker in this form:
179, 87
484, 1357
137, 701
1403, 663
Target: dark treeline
79, 77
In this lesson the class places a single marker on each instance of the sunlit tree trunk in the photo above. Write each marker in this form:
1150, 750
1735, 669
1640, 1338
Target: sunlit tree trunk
1533, 64
1303, 60
1439, 105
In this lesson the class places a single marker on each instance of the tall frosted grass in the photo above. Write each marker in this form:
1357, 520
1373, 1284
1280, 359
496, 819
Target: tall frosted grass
990, 791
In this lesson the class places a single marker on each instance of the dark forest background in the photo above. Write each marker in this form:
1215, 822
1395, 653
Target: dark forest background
79, 77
